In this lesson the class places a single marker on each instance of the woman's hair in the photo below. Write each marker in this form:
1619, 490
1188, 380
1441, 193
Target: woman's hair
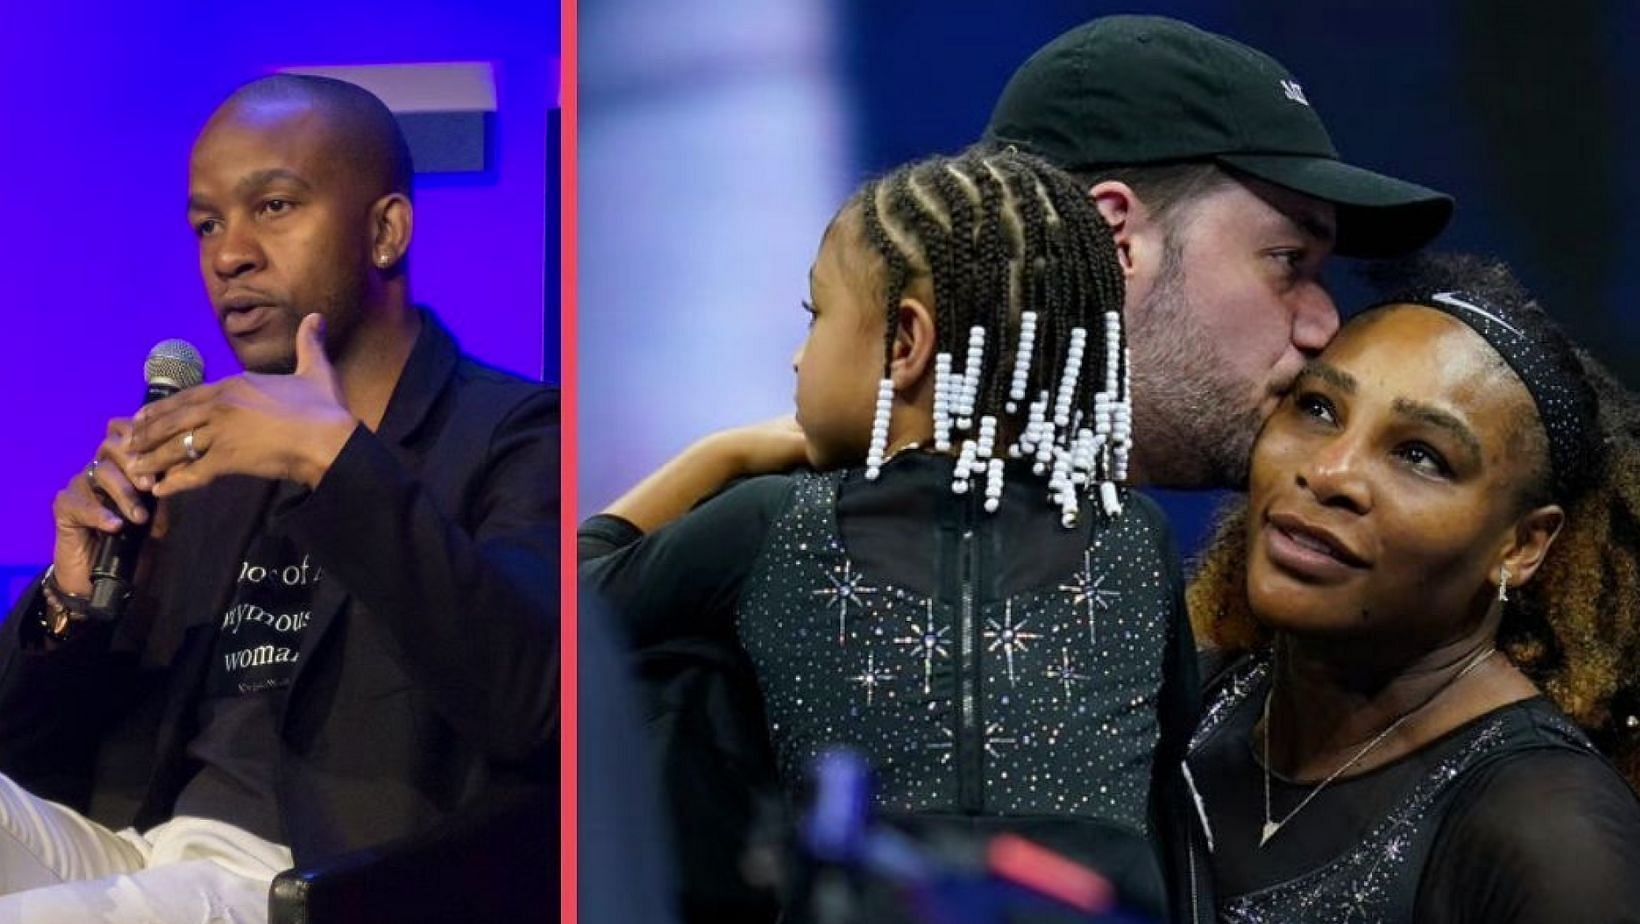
1575, 628
988, 236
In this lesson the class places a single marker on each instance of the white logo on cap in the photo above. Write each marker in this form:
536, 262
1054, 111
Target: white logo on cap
1294, 92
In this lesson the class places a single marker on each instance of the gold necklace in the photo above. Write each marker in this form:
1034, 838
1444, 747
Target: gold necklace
896, 451
1270, 825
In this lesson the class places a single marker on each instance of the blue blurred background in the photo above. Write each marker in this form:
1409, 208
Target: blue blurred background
717, 138
99, 105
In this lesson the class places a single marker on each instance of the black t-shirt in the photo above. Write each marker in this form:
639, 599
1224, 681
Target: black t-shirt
258, 644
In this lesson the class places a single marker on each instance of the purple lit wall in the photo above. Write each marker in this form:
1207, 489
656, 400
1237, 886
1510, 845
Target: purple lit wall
99, 105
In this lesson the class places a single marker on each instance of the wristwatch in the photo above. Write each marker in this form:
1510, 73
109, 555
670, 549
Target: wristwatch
63, 611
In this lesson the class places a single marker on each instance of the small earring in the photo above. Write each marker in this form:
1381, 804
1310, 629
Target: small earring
1503, 585
382, 260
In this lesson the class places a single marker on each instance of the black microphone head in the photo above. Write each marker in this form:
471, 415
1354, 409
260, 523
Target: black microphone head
173, 365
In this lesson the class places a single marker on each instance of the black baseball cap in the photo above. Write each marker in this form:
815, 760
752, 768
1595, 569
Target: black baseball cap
1133, 90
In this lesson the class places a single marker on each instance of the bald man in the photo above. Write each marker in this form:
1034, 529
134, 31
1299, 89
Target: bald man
344, 628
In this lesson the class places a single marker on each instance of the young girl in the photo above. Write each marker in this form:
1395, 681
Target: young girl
961, 591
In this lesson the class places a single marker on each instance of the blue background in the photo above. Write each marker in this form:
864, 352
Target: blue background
717, 141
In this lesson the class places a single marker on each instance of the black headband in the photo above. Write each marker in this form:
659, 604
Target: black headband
1563, 397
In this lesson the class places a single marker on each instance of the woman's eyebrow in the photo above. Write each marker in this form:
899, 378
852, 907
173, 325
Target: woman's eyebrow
1423, 413
1332, 375
1436, 417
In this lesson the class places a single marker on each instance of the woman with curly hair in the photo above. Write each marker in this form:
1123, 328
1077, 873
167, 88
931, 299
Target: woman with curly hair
1427, 620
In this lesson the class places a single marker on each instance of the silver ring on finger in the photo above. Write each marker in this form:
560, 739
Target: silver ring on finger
189, 448
91, 472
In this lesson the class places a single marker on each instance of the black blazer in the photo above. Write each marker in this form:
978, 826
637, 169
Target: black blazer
428, 676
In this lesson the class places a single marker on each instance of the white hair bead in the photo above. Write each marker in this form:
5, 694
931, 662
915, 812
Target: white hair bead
1109, 499
1022, 359
944, 401
878, 450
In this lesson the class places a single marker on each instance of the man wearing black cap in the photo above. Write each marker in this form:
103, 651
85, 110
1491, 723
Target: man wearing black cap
1226, 197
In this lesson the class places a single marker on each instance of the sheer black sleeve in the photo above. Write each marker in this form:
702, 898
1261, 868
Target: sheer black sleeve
604, 534
684, 579
1548, 837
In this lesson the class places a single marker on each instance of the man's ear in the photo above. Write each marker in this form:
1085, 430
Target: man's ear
392, 222
1124, 212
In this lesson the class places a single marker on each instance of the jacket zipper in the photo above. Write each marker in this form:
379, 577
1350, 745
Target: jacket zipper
970, 737
1195, 901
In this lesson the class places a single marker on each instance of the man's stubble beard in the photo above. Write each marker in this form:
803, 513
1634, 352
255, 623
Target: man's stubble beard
1188, 429
340, 307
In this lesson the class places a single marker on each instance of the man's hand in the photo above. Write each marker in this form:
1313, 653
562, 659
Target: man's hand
279, 427
81, 510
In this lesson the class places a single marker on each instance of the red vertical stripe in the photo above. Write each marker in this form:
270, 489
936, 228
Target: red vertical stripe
569, 640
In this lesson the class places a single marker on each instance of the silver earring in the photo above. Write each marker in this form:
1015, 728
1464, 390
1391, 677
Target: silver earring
1503, 585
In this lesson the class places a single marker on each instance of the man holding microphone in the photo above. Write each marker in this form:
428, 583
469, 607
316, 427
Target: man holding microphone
344, 622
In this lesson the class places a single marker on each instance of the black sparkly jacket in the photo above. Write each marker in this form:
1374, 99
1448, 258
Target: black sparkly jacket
1001, 672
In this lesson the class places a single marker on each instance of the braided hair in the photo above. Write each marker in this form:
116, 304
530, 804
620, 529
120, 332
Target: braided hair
1575, 628
1009, 248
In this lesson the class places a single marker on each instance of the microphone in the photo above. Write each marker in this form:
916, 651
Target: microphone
172, 366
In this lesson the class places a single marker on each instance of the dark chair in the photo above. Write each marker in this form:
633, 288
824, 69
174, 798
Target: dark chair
495, 862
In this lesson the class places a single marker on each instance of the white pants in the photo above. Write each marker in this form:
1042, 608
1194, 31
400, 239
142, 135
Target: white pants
58, 866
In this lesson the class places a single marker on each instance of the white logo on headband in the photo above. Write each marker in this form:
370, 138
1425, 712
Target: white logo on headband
1450, 298
1293, 91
